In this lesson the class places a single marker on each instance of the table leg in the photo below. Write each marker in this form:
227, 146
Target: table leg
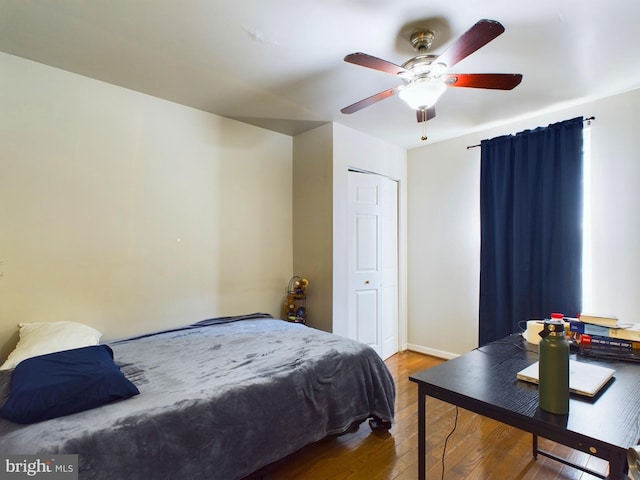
535, 446
618, 467
422, 434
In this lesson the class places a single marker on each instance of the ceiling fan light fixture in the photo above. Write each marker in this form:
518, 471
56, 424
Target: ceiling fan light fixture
423, 93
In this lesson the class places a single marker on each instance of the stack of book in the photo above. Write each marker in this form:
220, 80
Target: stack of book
605, 336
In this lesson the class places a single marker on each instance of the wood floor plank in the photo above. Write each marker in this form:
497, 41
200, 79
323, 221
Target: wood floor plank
479, 449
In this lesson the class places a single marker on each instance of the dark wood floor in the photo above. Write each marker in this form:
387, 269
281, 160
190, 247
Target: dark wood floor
479, 449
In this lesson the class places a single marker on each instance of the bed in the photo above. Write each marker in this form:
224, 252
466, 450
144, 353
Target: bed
218, 399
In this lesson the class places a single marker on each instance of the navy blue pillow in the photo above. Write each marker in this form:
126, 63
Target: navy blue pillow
62, 383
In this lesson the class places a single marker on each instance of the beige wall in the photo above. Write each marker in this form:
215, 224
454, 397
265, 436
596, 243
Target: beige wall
444, 225
313, 220
131, 213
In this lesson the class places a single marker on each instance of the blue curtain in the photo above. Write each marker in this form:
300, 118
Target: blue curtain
531, 227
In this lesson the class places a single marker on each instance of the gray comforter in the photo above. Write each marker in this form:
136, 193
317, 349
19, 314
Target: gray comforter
219, 400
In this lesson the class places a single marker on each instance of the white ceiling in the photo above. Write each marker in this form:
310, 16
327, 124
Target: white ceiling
279, 63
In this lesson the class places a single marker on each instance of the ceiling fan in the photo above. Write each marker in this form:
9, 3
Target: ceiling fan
425, 75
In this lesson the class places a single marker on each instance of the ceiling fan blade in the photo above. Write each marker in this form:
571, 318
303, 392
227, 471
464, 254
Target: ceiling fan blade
496, 81
365, 60
477, 36
370, 100
426, 115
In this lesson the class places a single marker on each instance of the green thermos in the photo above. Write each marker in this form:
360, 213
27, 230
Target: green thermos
554, 367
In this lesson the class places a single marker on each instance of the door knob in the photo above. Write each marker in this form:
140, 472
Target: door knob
366, 282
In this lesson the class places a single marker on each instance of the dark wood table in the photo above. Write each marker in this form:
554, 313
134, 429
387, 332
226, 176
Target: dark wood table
484, 381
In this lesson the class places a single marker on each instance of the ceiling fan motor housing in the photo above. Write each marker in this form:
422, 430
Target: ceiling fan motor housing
421, 40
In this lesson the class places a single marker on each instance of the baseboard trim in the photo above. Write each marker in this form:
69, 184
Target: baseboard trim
431, 351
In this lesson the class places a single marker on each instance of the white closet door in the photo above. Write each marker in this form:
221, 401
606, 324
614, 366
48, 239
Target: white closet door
373, 262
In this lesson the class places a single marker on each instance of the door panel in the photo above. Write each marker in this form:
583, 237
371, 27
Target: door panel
366, 244
366, 309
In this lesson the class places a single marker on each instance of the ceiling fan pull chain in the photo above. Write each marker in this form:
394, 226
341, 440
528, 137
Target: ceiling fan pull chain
424, 125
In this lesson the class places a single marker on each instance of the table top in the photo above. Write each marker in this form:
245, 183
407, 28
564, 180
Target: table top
484, 380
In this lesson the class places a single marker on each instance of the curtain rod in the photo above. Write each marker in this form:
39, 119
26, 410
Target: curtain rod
588, 120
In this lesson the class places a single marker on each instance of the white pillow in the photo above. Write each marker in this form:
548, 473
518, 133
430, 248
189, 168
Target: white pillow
40, 338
